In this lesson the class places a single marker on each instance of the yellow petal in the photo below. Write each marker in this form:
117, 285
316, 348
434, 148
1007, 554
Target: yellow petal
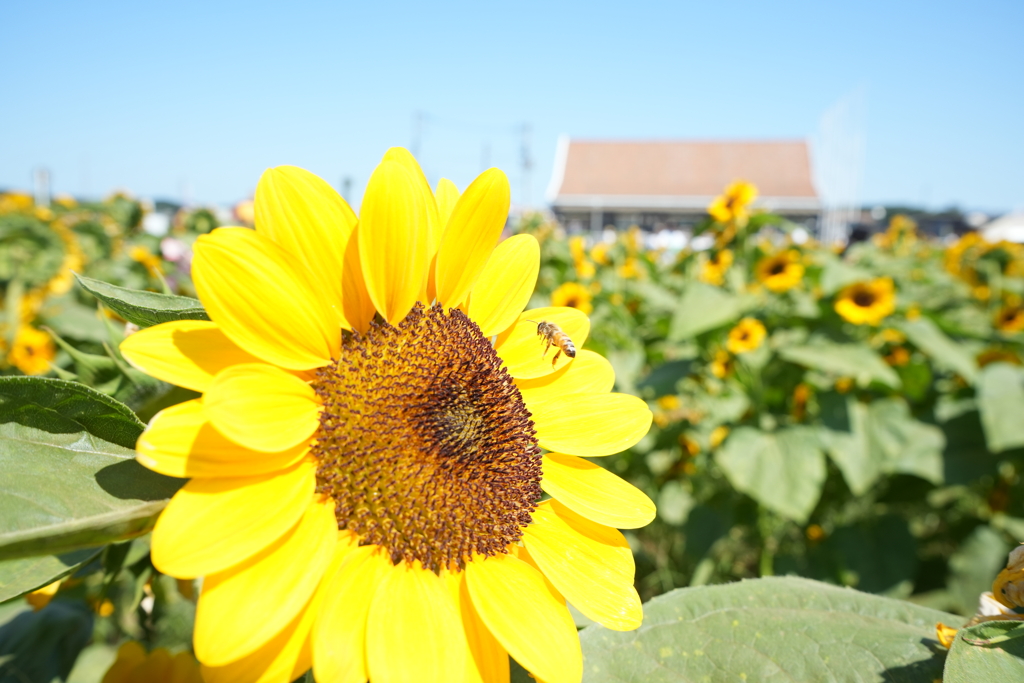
394, 245
447, 195
253, 290
244, 607
533, 626
339, 635
359, 310
411, 623
590, 564
470, 236
525, 353
129, 655
213, 524
590, 373
262, 407
506, 284
187, 353
405, 159
307, 218
590, 424
181, 442
486, 659
596, 493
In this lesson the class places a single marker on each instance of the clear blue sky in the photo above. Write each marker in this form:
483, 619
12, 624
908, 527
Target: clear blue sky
198, 98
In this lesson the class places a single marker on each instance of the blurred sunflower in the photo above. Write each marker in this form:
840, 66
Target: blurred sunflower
867, 302
366, 465
32, 351
573, 295
780, 272
1010, 318
599, 254
713, 270
748, 335
732, 205
134, 665
997, 355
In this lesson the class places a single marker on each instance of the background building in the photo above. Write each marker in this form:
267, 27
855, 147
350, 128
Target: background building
667, 185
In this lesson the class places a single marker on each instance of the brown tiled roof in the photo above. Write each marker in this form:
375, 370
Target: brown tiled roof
684, 168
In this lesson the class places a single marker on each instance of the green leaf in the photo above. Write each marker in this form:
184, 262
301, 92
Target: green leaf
774, 630
783, 470
18, 577
947, 354
63, 492
974, 565
968, 663
61, 407
849, 360
1000, 388
141, 307
663, 379
111, 375
43, 645
875, 555
868, 440
703, 307
993, 632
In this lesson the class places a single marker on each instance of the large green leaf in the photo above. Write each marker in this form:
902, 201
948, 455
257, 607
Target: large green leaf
60, 407
946, 353
63, 492
849, 360
38, 647
27, 574
783, 470
881, 437
1000, 661
141, 307
774, 630
701, 308
1000, 390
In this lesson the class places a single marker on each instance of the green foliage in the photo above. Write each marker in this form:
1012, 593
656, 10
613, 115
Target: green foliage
141, 307
990, 651
776, 629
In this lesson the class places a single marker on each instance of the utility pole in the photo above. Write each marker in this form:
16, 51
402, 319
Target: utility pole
41, 186
526, 160
346, 189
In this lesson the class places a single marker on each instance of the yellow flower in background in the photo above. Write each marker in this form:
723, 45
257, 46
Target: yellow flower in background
780, 272
577, 248
629, 270
1010, 318
65, 201
732, 206
634, 240
32, 351
41, 597
11, 202
748, 335
898, 357
717, 436
867, 303
996, 355
573, 295
365, 466
599, 254
585, 270
147, 258
844, 385
713, 270
134, 665
721, 365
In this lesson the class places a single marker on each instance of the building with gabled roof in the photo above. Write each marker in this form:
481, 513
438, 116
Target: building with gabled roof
669, 184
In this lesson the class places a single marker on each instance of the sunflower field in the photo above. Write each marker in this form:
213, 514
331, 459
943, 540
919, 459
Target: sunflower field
835, 449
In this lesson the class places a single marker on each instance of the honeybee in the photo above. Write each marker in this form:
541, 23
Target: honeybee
553, 335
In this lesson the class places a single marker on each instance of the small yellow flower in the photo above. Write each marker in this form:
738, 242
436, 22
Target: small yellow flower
867, 302
945, 634
898, 357
982, 293
65, 200
731, 206
1010, 318
41, 597
690, 446
577, 248
616, 299
814, 533
147, 258
599, 254
573, 295
133, 665
585, 269
11, 202
32, 352
780, 272
747, 336
844, 384
629, 270
913, 312
634, 239
801, 394
718, 435
713, 270
889, 336
669, 402
105, 608
722, 364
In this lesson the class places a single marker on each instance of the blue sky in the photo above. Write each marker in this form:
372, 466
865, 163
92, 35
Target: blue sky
195, 99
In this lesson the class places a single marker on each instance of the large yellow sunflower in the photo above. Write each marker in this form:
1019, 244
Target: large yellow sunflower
867, 303
780, 272
379, 419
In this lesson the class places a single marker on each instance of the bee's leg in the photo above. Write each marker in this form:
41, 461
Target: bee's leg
557, 354
546, 349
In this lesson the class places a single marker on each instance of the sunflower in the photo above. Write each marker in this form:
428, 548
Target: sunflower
378, 421
748, 335
780, 272
32, 352
867, 302
713, 270
1010, 318
732, 205
572, 295
134, 665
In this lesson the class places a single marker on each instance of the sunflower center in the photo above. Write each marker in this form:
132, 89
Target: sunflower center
425, 443
777, 268
864, 299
